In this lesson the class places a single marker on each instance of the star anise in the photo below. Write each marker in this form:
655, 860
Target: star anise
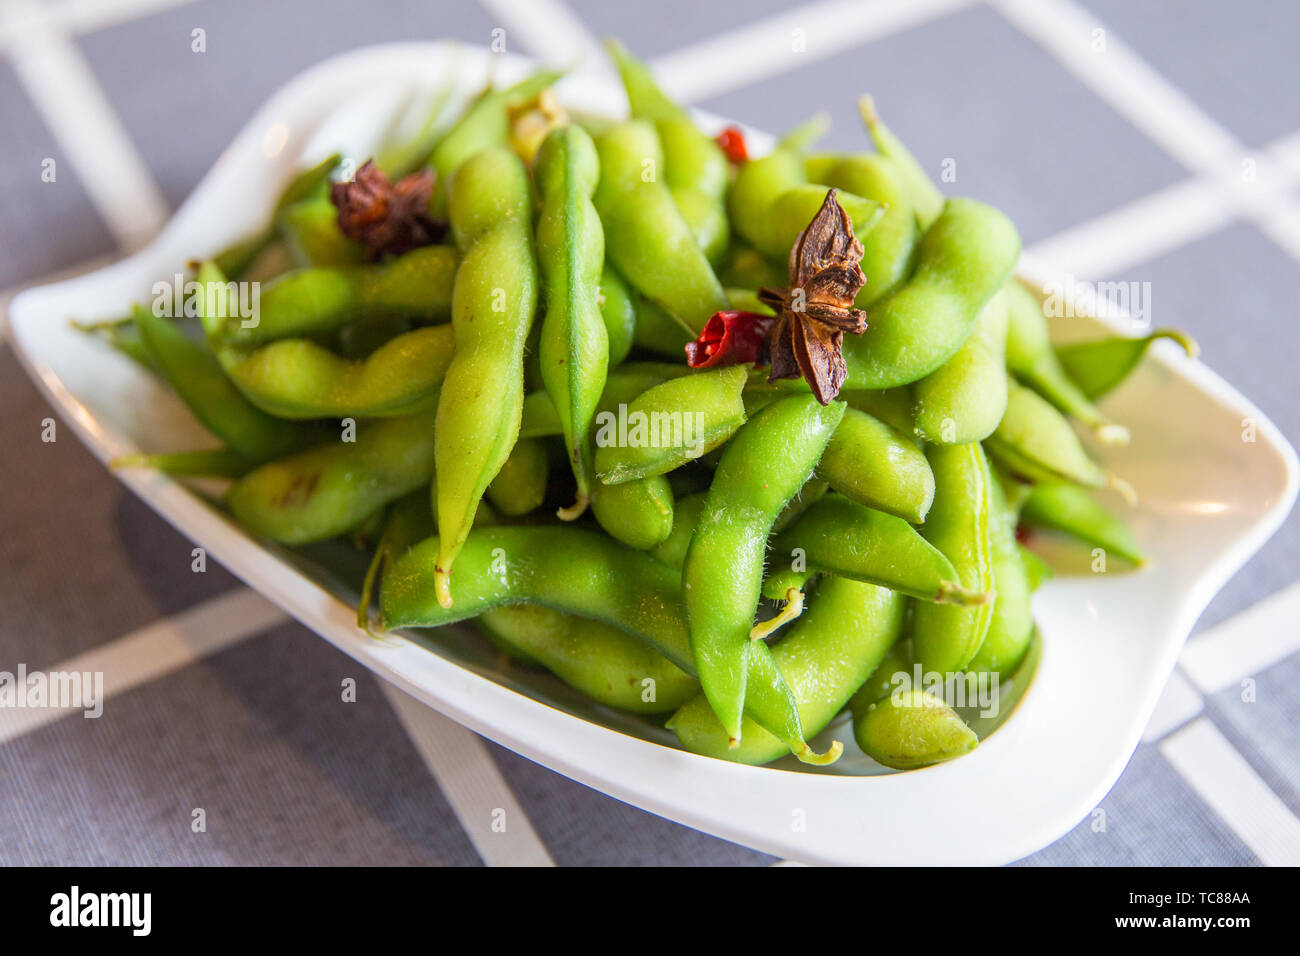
817, 309
387, 218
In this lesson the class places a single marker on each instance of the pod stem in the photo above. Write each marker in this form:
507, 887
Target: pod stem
807, 755
1109, 433
442, 585
950, 593
1182, 338
1126, 491
793, 608
576, 510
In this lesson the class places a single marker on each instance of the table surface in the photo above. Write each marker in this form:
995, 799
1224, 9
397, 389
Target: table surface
1155, 142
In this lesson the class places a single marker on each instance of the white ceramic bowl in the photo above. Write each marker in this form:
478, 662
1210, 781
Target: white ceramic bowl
1208, 501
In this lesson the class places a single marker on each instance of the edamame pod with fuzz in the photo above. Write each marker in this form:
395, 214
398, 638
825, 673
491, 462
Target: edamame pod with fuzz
926, 199
326, 491
670, 424
574, 346
912, 729
961, 261
584, 573
311, 234
826, 656
893, 672
1100, 365
609, 666
520, 485
492, 311
618, 311
645, 236
1012, 624
945, 637
686, 515
1073, 510
638, 513
842, 537
761, 469
964, 399
878, 466
1035, 441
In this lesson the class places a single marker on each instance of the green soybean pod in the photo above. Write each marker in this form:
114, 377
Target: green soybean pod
638, 513
1036, 569
1031, 358
310, 231
495, 297
658, 331
744, 267
912, 729
761, 469
609, 666
845, 538
964, 399
209, 462
791, 212
618, 311
1012, 625
584, 573
961, 261
1073, 510
686, 515
876, 465
889, 245
827, 655
326, 491
757, 186
574, 344
1035, 441
1100, 365
645, 236
945, 637
893, 406
926, 199
520, 485
670, 424
893, 672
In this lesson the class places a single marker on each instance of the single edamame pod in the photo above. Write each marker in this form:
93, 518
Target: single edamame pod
495, 297
961, 261
926, 199
520, 485
1100, 365
842, 537
964, 399
945, 637
1073, 510
686, 515
1012, 625
311, 234
878, 466
658, 331
826, 656
893, 406
622, 385
574, 344
208, 462
893, 672
1030, 357
645, 236
326, 491
638, 513
618, 310
609, 666
912, 729
584, 573
761, 469
1035, 441
670, 424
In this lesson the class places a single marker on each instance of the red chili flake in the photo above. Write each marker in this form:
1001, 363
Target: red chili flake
1022, 534
732, 141
730, 338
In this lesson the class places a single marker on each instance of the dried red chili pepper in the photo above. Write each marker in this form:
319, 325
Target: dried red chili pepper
730, 338
732, 141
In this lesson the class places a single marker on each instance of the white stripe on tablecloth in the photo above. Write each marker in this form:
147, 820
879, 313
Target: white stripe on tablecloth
548, 30
1246, 643
79, 17
1229, 785
765, 48
89, 135
155, 651
472, 784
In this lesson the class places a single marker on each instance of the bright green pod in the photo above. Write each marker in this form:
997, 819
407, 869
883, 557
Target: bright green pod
826, 656
638, 513
746, 268
792, 211
758, 184
658, 331
964, 399
1100, 365
877, 465
686, 515
961, 262
842, 537
618, 311
622, 385
574, 344
1012, 625
584, 573
645, 236
495, 298
945, 637
912, 729
310, 231
670, 424
1073, 510
609, 666
761, 469
1036, 569
208, 462
893, 406
1035, 441
893, 672
926, 199
520, 485
198, 379
326, 491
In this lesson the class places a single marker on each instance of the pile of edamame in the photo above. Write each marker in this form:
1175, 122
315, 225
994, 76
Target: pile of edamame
507, 423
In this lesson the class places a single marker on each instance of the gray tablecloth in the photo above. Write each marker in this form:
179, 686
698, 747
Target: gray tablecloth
1057, 112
